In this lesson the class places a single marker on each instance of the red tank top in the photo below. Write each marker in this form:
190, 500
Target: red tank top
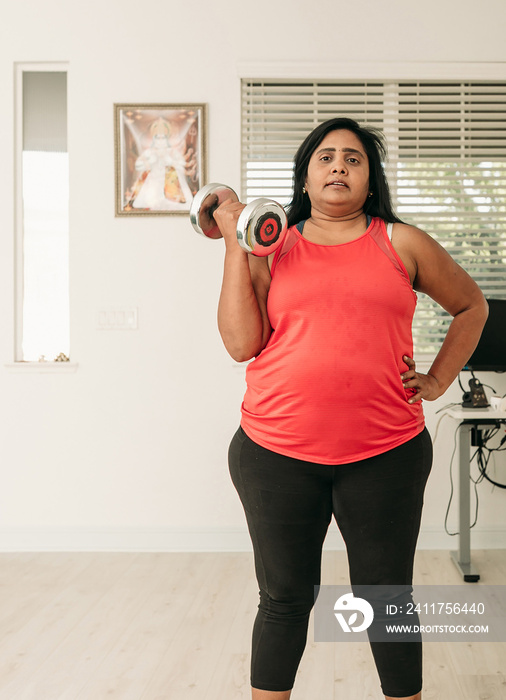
327, 388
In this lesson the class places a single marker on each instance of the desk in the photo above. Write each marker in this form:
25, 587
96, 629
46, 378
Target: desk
469, 419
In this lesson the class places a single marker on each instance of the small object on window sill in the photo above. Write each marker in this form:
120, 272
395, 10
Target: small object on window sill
61, 358
42, 358
47, 367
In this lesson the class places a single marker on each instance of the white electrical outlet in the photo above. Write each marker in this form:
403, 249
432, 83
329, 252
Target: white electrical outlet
118, 319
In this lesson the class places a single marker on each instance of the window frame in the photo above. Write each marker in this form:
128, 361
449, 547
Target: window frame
21, 67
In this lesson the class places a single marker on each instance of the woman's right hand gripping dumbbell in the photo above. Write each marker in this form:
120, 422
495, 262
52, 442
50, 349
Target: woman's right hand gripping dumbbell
260, 226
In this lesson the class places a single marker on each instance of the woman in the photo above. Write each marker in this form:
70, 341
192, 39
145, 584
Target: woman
332, 421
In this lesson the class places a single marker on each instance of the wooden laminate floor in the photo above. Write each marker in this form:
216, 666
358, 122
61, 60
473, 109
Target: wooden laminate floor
177, 626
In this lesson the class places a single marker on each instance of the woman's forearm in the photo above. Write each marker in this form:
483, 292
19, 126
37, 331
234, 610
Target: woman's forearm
239, 318
461, 340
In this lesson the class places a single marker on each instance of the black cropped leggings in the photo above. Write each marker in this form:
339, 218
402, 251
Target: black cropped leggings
289, 503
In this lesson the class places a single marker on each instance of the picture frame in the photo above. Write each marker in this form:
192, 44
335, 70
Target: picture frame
160, 157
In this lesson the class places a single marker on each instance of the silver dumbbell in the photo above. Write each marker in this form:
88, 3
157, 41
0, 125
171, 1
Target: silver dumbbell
261, 226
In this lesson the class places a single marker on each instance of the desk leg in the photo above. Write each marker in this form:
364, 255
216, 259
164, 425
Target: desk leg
462, 558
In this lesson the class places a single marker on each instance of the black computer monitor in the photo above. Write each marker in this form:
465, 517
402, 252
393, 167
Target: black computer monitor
490, 354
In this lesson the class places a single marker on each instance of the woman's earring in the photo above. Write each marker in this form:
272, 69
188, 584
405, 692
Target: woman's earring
303, 190
370, 194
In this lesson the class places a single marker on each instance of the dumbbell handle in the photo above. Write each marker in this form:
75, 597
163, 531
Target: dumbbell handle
212, 209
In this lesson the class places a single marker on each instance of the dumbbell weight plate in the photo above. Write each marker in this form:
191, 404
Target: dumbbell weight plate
261, 227
203, 205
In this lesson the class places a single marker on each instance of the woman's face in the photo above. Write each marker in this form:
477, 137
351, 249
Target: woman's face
337, 180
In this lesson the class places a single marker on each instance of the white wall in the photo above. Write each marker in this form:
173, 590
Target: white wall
130, 451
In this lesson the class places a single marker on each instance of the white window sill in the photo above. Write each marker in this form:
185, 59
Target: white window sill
42, 367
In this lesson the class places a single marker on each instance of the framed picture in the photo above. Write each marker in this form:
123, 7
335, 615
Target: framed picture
160, 157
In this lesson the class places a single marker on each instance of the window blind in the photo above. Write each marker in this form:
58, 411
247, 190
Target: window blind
446, 166
45, 111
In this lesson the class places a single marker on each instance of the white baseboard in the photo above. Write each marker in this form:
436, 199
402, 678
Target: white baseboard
481, 538
436, 538
124, 540
231, 539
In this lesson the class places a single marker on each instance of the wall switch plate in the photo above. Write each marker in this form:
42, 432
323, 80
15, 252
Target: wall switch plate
117, 319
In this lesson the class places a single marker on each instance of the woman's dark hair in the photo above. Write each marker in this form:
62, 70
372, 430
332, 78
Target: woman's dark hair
379, 204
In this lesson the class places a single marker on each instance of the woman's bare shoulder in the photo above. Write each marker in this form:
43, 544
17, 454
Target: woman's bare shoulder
414, 243
261, 266
407, 233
